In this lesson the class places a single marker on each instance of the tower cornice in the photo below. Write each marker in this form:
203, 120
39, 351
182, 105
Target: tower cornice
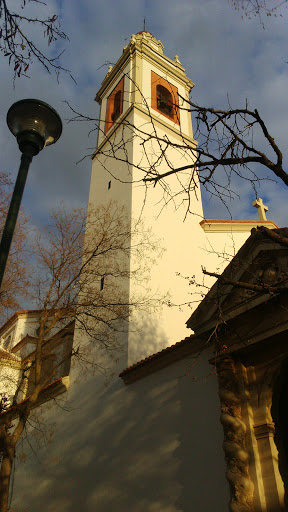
190, 141
144, 45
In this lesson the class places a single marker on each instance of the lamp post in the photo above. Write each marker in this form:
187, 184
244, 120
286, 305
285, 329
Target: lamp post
35, 125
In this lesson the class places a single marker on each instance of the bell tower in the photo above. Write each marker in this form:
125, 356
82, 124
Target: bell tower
140, 112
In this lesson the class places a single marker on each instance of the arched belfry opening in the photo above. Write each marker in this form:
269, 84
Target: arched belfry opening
164, 100
116, 106
279, 411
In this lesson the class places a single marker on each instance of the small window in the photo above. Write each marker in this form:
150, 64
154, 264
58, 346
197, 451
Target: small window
102, 283
38, 330
109, 185
7, 342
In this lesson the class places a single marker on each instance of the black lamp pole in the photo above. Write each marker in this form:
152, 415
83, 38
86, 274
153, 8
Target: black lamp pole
35, 124
12, 215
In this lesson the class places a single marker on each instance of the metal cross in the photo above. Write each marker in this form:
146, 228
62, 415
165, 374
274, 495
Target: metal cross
262, 209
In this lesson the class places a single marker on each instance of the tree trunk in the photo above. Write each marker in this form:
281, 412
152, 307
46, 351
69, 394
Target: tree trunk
5, 475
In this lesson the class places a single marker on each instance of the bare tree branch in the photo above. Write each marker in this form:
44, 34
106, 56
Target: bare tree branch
17, 46
226, 150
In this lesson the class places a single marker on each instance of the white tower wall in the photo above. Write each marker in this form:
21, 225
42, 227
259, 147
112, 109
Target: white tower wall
123, 143
135, 143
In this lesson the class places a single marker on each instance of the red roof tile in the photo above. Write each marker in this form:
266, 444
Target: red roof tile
144, 32
157, 355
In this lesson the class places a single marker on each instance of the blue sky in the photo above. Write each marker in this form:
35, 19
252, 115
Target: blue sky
223, 55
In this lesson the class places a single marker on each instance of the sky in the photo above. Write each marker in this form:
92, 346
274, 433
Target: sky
223, 54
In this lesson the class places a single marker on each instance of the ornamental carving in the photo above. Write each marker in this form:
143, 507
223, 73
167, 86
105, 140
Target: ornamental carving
236, 455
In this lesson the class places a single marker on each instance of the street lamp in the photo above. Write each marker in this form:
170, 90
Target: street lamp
35, 125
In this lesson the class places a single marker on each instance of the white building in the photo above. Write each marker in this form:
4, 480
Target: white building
150, 441
18, 339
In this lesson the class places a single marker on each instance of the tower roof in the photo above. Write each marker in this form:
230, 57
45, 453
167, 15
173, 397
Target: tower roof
143, 43
144, 32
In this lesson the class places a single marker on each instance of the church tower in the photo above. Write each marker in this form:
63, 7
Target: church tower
140, 110
143, 109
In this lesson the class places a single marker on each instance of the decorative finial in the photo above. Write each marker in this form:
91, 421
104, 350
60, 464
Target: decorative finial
262, 209
144, 20
176, 59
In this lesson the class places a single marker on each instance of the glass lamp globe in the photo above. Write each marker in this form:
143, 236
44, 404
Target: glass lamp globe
33, 121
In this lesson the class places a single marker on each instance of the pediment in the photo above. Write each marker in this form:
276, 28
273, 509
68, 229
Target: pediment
268, 268
257, 272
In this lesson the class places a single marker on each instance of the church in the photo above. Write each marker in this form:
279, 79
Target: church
193, 417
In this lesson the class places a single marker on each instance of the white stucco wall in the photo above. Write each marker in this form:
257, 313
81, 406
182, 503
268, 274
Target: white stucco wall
10, 369
153, 446
22, 325
9, 378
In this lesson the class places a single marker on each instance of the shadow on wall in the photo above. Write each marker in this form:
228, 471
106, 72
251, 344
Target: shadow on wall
154, 446
148, 338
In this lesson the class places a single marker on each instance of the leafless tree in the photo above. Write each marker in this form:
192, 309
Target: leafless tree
226, 143
76, 279
259, 8
15, 282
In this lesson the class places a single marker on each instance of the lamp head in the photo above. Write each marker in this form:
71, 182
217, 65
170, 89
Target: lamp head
35, 124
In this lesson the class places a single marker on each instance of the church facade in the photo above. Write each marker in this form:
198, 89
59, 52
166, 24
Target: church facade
151, 438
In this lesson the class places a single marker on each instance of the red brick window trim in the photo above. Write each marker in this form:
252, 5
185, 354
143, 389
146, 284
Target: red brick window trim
114, 107
164, 98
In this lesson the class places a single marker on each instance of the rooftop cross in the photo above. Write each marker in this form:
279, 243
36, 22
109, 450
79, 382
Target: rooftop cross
262, 209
